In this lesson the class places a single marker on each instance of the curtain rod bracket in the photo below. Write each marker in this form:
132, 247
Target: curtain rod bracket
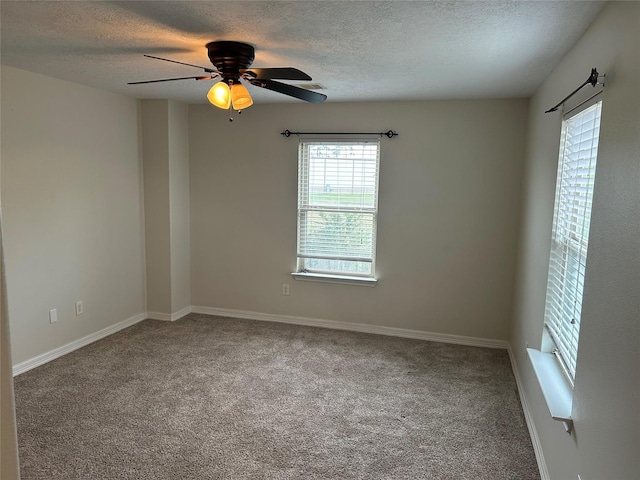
388, 133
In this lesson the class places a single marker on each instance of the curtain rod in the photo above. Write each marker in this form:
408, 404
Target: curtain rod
388, 133
593, 80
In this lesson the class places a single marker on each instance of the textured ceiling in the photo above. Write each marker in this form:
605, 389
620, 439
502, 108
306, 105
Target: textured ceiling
358, 50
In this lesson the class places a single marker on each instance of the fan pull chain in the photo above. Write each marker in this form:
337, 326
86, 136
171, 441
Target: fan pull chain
231, 113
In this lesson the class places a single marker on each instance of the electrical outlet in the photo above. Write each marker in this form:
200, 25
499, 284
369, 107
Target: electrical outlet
79, 308
53, 315
285, 289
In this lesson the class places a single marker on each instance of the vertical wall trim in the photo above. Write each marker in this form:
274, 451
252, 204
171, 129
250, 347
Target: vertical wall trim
9, 463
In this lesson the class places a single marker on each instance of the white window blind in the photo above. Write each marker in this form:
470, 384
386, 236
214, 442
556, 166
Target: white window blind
570, 233
337, 207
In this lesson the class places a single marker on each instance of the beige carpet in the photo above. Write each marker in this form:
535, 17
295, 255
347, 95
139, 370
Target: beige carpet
214, 398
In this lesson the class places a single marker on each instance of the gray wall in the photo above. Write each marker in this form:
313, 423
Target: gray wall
606, 409
155, 150
72, 210
449, 203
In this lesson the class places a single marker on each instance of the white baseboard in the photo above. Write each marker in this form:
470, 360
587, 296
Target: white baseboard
355, 327
76, 344
528, 416
166, 317
313, 322
181, 313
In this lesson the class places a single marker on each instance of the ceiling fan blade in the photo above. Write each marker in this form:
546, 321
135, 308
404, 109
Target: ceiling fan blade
297, 92
201, 77
208, 70
280, 73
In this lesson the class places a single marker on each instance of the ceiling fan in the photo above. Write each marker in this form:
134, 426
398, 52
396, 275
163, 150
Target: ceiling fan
232, 61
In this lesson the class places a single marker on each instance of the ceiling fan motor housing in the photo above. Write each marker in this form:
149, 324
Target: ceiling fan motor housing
230, 57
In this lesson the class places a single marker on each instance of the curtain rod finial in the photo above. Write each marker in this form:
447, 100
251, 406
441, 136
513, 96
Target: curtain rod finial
593, 78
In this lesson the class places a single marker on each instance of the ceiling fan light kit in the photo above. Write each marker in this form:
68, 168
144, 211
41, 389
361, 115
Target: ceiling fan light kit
232, 61
224, 96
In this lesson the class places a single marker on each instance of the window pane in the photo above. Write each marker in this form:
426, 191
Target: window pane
337, 206
342, 175
337, 234
570, 236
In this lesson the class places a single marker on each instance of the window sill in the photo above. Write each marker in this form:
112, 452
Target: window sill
321, 277
555, 387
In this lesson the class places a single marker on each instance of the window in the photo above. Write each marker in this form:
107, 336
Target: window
337, 207
570, 233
